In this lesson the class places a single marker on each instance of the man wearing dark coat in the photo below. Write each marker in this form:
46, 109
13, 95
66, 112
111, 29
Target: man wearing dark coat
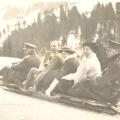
17, 73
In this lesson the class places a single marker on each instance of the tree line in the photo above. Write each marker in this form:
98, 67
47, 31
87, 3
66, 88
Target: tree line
98, 25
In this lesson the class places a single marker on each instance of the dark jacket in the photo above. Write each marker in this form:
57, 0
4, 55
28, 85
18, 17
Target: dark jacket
26, 64
69, 66
18, 72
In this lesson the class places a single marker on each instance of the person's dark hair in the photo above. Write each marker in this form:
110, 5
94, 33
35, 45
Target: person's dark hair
91, 45
94, 47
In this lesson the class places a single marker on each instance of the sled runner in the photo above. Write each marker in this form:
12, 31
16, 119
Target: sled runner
88, 104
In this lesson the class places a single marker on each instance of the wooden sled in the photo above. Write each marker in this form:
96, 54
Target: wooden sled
67, 100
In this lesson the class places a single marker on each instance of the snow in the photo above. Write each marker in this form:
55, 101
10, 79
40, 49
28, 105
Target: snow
7, 61
18, 107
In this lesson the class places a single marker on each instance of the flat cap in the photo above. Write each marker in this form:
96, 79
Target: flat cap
114, 44
29, 45
66, 49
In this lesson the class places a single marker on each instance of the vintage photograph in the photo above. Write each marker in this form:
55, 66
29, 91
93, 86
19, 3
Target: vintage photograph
60, 60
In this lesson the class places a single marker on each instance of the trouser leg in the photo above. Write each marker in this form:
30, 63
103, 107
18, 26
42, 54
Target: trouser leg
30, 76
39, 79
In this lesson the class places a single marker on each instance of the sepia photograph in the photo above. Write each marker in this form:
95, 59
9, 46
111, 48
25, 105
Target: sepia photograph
59, 59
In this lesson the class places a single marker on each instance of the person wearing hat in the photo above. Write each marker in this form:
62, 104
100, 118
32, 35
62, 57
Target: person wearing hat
17, 73
29, 48
70, 66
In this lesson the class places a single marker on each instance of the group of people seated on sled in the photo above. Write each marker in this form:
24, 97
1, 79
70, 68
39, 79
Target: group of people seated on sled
67, 72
